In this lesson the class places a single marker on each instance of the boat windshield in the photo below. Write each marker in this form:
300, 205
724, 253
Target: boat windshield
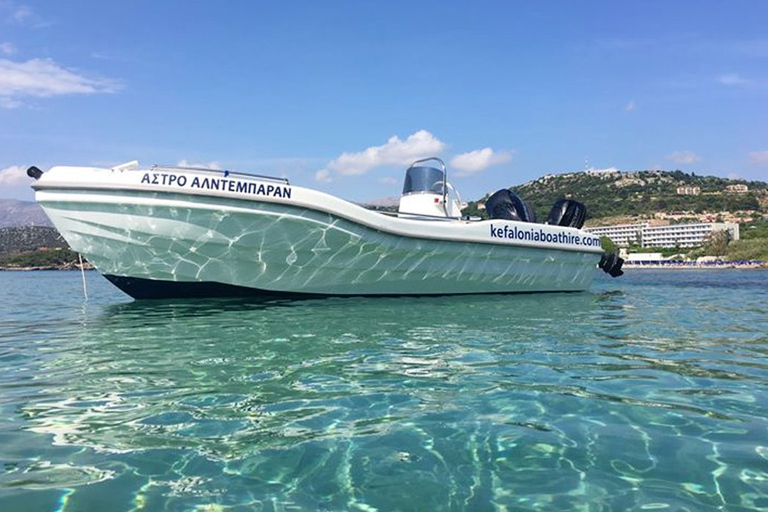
423, 179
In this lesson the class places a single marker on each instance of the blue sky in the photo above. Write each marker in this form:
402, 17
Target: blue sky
340, 95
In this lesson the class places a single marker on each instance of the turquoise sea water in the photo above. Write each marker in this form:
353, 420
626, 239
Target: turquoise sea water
649, 392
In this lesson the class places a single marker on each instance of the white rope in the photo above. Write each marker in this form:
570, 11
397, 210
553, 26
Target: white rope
82, 273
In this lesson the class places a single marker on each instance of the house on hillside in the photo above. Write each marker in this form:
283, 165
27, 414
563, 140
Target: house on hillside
687, 190
738, 188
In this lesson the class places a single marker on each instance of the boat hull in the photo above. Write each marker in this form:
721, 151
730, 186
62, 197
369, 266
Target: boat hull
158, 242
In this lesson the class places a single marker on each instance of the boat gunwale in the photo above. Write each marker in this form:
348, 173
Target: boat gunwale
139, 192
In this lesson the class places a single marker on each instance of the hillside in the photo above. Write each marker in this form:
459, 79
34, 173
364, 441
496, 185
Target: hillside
35, 247
644, 193
29, 238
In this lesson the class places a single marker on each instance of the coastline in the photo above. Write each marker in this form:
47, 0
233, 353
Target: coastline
726, 265
86, 266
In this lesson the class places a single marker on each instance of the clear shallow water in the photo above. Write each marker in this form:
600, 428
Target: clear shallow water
648, 393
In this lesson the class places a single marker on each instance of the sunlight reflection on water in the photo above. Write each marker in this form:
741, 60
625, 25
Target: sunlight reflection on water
644, 393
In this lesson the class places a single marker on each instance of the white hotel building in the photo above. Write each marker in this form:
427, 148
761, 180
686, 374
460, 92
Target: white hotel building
673, 235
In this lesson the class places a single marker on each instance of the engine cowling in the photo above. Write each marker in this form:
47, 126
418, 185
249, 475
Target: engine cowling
505, 204
567, 212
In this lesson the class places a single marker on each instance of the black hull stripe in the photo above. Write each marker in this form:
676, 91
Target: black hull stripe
141, 289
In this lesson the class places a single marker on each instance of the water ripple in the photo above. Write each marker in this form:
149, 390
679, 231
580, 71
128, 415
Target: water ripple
648, 393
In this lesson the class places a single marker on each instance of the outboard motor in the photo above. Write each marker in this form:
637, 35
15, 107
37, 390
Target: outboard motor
505, 204
611, 264
567, 212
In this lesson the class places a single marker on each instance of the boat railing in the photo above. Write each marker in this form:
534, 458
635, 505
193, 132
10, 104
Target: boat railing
219, 172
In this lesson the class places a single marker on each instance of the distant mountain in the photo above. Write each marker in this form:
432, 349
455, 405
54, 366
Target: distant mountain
643, 193
21, 213
382, 202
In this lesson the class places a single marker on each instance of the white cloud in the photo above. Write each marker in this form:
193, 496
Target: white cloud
9, 103
7, 48
13, 176
99, 56
684, 157
10, 12
759, 158
479, 160
43, 78
732, 80
394, 152
323, 175
749, 47
215, 166
389, 180
630, 106
20, 13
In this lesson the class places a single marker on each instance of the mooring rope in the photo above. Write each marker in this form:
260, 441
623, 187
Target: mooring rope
82, 273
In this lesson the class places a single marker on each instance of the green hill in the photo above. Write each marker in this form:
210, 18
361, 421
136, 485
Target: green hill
643, 193
29, 238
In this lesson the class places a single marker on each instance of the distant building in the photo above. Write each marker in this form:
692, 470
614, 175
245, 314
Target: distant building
621, 234
739, 188
686, 235
673, 235
642, 258
688, 191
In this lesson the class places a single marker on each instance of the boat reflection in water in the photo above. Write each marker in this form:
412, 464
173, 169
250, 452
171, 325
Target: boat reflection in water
231, 378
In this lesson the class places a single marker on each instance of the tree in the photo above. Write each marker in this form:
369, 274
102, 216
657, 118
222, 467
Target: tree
607, 244
717, 243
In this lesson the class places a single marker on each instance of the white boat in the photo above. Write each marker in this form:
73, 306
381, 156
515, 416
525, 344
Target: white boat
167, 232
